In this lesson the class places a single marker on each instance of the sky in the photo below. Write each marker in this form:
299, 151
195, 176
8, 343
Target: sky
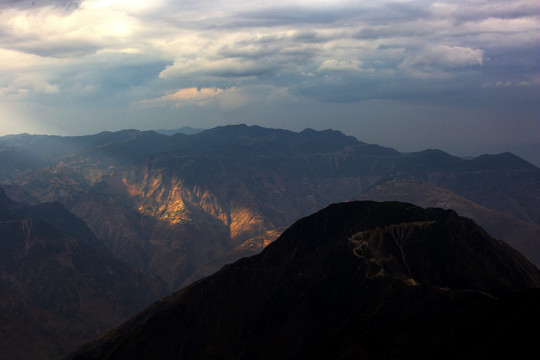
462, 76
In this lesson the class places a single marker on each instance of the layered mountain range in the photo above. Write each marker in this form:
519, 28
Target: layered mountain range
96, 227
181, 206
355, 280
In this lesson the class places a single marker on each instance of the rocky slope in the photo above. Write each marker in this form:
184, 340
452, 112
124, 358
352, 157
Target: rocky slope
60, 286
355, 280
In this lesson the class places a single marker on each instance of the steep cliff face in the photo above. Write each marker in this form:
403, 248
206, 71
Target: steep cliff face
358, 279
170, 196
61, 283
159, 226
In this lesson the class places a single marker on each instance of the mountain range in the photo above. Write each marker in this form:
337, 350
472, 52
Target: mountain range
160, 212
181, 206
356, 280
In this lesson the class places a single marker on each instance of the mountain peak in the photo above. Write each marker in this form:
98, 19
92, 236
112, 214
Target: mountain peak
406, 241
505, 160
358, 279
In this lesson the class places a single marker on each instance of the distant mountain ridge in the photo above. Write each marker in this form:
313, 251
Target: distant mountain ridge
355, 280
188, 130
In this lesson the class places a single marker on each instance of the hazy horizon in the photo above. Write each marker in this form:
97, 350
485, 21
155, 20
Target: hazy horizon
461, 76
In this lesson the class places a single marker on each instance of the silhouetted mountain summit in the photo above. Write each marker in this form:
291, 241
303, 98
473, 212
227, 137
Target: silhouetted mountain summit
188, 130
504, 160
437, 160
355, 280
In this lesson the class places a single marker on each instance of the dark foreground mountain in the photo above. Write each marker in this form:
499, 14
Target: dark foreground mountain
181, 206
60, 286
355, 280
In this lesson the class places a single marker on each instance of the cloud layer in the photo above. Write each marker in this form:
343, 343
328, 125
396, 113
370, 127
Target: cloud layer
203, 60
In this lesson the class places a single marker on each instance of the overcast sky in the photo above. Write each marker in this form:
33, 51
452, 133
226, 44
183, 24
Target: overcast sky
462, 76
